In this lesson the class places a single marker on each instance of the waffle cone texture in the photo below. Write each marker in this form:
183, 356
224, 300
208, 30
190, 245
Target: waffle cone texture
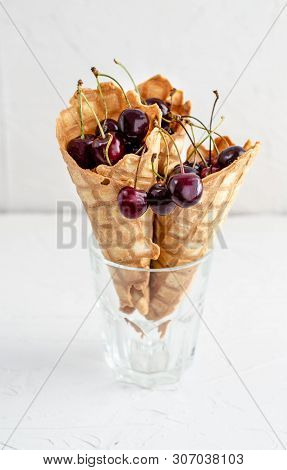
186, 235
160, 87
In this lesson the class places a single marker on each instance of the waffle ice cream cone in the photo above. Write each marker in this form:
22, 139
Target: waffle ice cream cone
160, 87
186, 235
121, 240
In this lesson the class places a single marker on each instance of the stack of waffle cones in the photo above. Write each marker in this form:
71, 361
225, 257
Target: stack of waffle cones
149, 241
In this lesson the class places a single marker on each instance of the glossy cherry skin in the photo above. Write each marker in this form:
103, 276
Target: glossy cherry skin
108, 125
116, 149
79, 149
165, 110
186, 189
134, 124
159, 199
132, 202
208, 170
198, 166
229, 155
164, 107
187, 169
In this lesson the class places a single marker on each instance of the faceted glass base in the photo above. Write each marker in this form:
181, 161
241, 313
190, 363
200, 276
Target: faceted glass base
144, 350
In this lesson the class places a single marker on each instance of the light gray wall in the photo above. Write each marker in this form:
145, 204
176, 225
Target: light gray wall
200, 45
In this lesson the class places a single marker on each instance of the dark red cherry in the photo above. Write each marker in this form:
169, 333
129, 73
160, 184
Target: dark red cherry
227, 156
159, 199
132, 146
208, 170
116, 149
185, 188
164, 107
198, 166
108, 125
187, 169
134, 123
165, 110
79, 149
132, 202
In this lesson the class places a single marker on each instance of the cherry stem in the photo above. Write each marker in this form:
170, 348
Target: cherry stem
80, 99
214, 132
94, 114
98, 74
177, 118
211, 119
206, 137
215, 146
107, 148
131, 78
175, 146
168, 154
138, 151
209, 133
193, 143
137, 170
166, 120
192, 131
102, 97
153, 157
203, 127
193, 136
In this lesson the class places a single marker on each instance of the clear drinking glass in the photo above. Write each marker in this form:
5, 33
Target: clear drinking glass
144, 350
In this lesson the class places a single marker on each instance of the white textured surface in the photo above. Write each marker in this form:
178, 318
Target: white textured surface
46, 292
201, 45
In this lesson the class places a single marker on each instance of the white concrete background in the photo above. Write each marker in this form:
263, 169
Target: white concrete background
81, 407
200, 45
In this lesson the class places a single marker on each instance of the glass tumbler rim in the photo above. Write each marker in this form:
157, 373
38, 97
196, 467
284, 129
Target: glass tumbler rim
95, 249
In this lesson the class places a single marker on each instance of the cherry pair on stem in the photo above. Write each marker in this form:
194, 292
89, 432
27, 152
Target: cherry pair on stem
112, 139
